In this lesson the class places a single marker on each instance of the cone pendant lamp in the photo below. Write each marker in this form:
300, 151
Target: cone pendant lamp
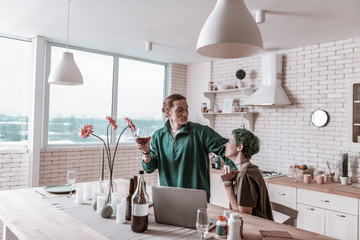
66, 72
230, 32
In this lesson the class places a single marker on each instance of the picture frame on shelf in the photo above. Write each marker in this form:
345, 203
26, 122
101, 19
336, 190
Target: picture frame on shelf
227, 105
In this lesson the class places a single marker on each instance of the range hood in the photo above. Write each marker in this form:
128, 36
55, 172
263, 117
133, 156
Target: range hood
271, 91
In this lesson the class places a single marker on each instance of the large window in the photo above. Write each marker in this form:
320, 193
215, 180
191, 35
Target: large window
140, 94
15, 87
141, 91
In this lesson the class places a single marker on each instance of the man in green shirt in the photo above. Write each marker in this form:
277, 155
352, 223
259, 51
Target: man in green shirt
180, 150
246, 189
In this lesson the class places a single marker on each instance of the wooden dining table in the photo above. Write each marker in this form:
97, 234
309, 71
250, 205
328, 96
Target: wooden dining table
27, 214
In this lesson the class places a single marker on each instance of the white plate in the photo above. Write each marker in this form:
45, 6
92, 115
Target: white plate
357, 185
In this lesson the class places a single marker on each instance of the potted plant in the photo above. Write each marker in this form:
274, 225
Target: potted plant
240, 74
344, 171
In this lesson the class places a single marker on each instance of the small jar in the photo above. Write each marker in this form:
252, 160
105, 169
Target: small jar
211, 86
203, 107
221, 227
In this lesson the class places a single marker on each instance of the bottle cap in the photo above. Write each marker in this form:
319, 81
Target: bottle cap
234, 216
221, 218
141, 172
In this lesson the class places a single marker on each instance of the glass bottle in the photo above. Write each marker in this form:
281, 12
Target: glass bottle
140, 206
128, 200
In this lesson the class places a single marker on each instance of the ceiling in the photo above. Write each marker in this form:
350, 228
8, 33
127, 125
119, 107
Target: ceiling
123, 26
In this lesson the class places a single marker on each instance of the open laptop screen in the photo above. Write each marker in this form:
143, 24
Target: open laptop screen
177, 206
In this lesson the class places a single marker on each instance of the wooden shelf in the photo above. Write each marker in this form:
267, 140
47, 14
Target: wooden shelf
211, 96
247, 115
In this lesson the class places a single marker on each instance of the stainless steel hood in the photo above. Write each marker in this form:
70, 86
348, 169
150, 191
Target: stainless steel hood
271, 91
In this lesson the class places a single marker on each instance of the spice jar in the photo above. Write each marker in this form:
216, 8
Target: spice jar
203, 107
221, 227
211, 86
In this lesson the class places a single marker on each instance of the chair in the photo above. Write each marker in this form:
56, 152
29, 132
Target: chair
291, 213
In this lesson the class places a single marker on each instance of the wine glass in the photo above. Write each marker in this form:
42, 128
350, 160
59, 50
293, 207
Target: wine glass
71, 177
142, 137
203, 221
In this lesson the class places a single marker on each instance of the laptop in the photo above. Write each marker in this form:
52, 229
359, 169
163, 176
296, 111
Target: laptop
178, 206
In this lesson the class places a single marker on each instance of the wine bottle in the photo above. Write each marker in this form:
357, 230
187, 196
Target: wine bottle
128, 200
140, 206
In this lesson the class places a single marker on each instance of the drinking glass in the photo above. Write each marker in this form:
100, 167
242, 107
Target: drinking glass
71, 177
203, 221
142, 137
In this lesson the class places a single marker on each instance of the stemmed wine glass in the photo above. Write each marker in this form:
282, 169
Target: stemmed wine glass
71, 177
142, 137
203, 221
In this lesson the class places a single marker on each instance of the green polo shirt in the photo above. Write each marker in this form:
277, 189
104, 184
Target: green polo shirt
185, 161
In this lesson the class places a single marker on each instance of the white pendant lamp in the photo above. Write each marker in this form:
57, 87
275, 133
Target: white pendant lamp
66, 72
230, 32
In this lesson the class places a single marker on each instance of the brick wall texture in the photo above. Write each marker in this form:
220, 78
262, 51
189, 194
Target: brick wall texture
314, 77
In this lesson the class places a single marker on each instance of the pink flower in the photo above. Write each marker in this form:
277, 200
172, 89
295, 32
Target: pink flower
130, 123
112, 122
87, 130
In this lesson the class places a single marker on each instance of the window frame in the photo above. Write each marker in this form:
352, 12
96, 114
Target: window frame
114, 104
20, 144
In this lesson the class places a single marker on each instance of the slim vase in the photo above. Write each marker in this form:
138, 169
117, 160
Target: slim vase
110, 188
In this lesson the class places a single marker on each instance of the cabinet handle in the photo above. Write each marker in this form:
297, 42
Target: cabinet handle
312, 209
282, 194
327, 201
340, 215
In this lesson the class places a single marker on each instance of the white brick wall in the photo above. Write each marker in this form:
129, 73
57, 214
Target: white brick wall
55, 162
314, 77
176, 75
14, 163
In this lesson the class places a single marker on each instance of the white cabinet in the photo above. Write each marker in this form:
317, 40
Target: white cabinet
340, 225
328, 201
337, 215
217, 191
283, 195
246, 115
311, 218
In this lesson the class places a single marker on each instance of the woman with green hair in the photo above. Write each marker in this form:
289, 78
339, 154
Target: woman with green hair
246, 188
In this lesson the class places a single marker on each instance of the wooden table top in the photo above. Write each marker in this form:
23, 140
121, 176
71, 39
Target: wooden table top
29, 216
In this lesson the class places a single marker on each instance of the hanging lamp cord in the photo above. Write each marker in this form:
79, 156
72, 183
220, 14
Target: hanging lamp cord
68, 26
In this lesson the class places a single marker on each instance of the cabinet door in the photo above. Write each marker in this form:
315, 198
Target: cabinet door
328, 201
311, 218
217, 191
283, 195
354, 113
340, 225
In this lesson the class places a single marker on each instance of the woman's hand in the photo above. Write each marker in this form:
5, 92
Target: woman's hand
227, 174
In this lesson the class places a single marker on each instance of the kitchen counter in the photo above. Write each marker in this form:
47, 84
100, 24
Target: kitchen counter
334, 188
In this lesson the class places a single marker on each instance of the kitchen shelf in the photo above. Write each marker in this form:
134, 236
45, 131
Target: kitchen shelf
247, 115
211, 94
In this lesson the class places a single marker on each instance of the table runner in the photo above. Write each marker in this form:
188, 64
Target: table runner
112, 230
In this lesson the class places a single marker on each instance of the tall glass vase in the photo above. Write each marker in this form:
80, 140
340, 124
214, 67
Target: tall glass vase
110, 188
